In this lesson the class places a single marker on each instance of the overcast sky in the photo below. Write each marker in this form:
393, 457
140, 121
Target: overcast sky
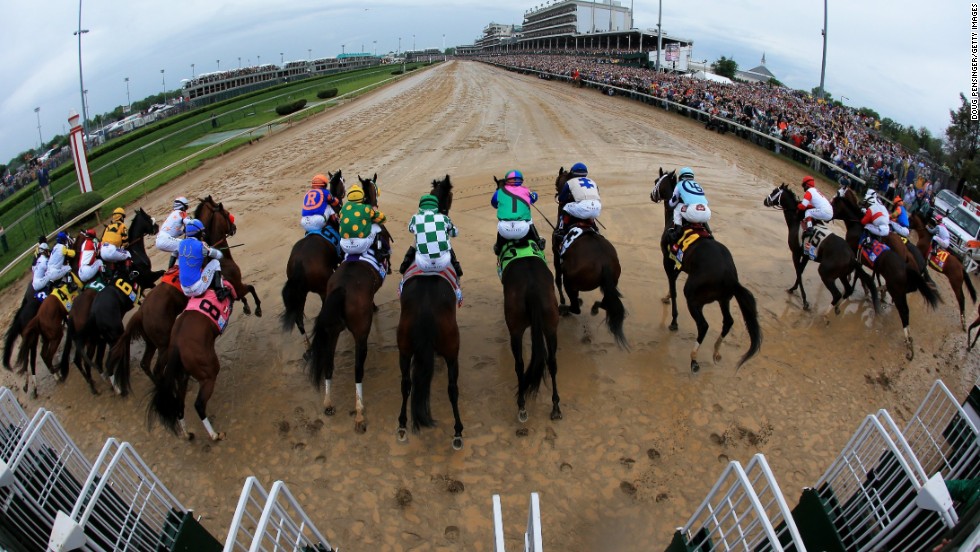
907, 60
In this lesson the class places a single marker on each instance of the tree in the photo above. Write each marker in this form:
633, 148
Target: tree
725, 67
815, 91
962, 145
773, 81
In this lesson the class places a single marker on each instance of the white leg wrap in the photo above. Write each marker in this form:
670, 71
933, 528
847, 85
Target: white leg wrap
359, 391
183, 426
326, 390
207, 426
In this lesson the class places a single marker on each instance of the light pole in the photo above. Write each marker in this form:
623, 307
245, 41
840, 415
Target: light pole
128, 103
192, 71
399, 46
281, 62
823, 62
218, 63
842, 98
81, 82
413, 43
660, 41
258, 60
342, 49
375, 48
85, 97
239, 62
164, 77
444, 43
37, 110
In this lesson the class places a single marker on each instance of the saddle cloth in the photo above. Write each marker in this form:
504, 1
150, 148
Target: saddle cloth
369, 257
217, 311
449, 275
513, 250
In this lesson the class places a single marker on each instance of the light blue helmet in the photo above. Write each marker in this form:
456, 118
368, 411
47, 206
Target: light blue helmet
579, 169
686, 172
193, 227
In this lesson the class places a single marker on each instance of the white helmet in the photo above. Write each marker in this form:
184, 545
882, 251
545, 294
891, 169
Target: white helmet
870, 197
181, 204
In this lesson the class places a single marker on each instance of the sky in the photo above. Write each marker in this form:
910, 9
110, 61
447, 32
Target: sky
908, 61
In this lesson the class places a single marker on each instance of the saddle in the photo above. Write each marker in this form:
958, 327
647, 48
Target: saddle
448, 274
371, 257
66, 295
689, 235
574, 232
172, 277
332, 236
812, 243
938, 258
216, 310
513, 250
870, 249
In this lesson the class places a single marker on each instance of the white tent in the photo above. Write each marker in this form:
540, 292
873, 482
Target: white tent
701, 75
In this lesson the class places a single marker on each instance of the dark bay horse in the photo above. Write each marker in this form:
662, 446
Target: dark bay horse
426, 327
590, 262
191, 355
154, 320
900, 277
952, 266
711, 276
349, 305
835, 258
311, 263
973, 324
530, 302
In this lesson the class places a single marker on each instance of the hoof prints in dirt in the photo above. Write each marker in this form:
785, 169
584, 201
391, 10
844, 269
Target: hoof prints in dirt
403, 497
628, 488
737, 434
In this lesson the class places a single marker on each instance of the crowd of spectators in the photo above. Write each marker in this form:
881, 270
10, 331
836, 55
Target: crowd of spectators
11, 181
837, 134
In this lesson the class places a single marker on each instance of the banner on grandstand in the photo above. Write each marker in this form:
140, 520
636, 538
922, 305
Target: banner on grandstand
673, 52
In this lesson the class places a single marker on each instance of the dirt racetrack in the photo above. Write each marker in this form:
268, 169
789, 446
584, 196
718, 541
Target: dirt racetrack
642, 439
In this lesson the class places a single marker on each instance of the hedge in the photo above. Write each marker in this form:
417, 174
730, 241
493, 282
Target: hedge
72, 207
328, 93
286, 109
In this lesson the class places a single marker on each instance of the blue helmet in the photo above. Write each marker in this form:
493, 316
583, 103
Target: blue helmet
515, 177
193, 227
579, 169
62, 238
686, 172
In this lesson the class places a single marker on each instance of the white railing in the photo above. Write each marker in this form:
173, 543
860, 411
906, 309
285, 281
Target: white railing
532, 534
737, 516
13, 420
272, 522
943, 436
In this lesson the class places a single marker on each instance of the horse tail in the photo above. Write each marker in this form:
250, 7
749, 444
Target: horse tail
534, 375
165, 403
917, 282
118, 362
613, 303
29, 336
13, 332
293, 298
423, 358
326, 330
969, 286
746, 302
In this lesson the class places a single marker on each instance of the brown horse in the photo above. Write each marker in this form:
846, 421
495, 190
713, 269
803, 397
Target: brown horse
835, 258
154, 320
588, 263
974, 324
191, 355
530, 302
426, 327
349, 305
711, 276
952, 267
311, 263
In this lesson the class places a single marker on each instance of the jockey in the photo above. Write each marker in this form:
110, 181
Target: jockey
195, 276
432, 251
814, 205
90, 264
514, 213
170, 231
899, 218
58, 266
579, 198
40, 266
360, 225
115, 238
688, 202
315, 204
940, 235
875, 218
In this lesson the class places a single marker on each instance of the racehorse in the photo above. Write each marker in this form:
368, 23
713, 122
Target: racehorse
974, 324
100, 322
834, 256
311, 263
588, 262
349, 305
912, 255
191, 355
530, 302
900, 277
952, 268
427, 326
154, 320
711, 276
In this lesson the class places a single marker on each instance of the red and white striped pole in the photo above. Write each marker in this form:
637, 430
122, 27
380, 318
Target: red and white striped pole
78, 152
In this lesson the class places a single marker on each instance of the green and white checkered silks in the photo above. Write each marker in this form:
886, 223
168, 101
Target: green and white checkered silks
432, 232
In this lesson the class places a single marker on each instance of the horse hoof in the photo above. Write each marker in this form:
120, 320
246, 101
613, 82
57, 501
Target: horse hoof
307, 355
563, 310
360, 427
666, 300
219, 437
672, 327
522, 415
806, 306
837, 309
909, 353
190, 436
595, 308
457, 443
402, 435
556, 414
34, 393
695, 367
717, 357
258, 311
329, 411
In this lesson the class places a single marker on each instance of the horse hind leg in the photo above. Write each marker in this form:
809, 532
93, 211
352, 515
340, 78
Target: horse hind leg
200, 406
702, 325
726, 325
517, 348
405, 363
360, 357
452, 369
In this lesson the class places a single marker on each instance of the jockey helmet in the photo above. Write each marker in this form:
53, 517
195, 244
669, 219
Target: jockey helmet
686, 172
515, 178
808, 182
355, 194
898, 201
870, 197
181, 204
119, 211
579, 169
90, 232
320, 181
428, 202
43, 248
193, 227
62, 238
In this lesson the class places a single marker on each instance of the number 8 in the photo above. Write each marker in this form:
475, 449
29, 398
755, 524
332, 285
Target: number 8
210, 308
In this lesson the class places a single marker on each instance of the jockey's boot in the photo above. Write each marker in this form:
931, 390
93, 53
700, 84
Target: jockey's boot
172, 262
809, 229
673, 234
71, 285
532, 234
498, 247
456, 266
408, 260
218, 285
